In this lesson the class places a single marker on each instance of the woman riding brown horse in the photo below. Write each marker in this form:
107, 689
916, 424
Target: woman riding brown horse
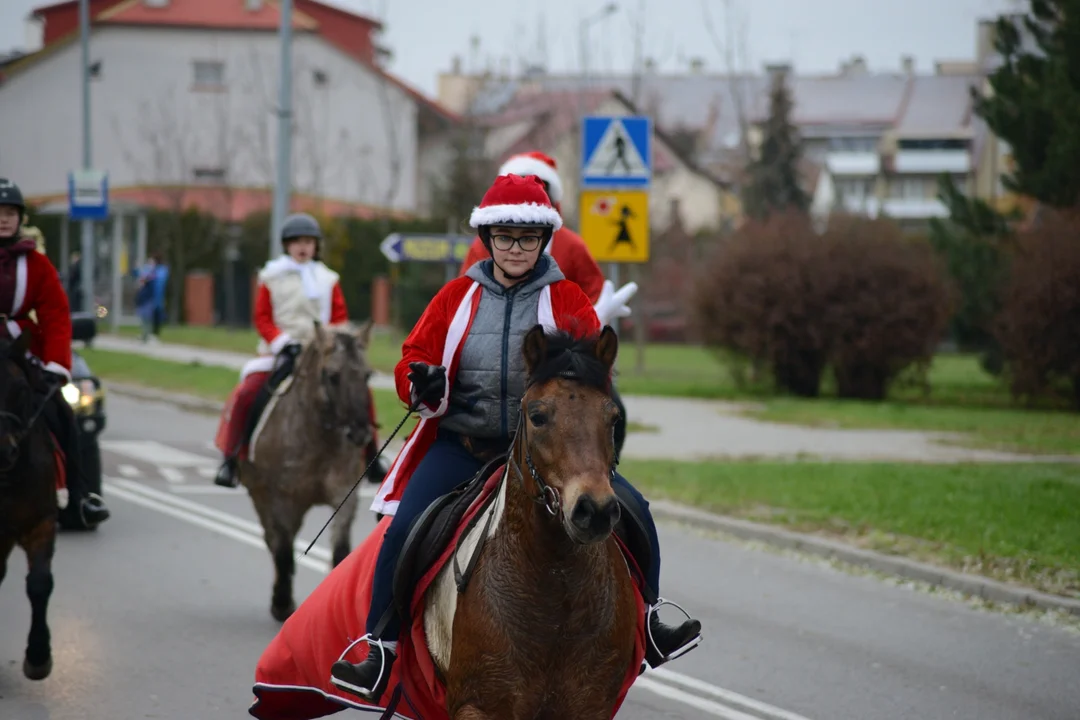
551, 610
28, 503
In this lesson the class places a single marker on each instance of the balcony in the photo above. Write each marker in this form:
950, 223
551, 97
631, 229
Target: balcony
914, 208
932, 161
853, 163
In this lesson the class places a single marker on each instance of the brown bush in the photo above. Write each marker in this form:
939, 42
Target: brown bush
861, 299
1039, 323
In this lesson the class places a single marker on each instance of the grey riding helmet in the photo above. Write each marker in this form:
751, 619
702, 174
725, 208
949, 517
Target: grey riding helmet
299, 225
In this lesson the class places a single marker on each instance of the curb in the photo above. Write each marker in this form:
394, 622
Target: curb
181, 400
972, 585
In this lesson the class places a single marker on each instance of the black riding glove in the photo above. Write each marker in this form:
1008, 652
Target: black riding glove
428, 381
52, 379
292, 350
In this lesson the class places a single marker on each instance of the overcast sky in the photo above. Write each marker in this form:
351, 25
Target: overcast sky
815, 34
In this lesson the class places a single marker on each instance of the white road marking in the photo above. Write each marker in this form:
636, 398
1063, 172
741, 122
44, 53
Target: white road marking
206, 490
156, 453
129, 471
171, 474
665, 683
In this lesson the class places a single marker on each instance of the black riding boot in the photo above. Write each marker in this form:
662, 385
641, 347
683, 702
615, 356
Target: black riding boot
667, 642
90, 507
367, 680
226, 474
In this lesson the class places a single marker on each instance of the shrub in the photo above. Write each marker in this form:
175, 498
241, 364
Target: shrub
1039, 324
861, 299
888, 303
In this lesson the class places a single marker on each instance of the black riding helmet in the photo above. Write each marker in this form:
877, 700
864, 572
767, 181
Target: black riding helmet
10, 194
300, 225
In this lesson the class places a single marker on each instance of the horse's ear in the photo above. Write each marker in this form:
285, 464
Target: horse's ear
19, 348
363, 333
534, 348
607, 347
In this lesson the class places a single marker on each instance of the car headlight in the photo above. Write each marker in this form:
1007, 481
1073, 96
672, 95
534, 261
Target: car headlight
79, 395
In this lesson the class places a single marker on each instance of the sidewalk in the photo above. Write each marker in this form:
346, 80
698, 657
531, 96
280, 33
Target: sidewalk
689, 429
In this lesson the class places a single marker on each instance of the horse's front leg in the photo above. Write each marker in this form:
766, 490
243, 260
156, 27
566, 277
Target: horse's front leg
39, 545
280, 539
342, 522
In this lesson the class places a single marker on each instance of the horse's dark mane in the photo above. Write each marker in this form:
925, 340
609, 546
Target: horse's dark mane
19, 360
571, 357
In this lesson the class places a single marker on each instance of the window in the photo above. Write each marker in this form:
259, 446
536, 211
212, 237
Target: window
209, 174
854, 192
909, 188
209, 74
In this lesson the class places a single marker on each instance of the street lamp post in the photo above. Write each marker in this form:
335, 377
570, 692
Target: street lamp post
283, 181
87, 241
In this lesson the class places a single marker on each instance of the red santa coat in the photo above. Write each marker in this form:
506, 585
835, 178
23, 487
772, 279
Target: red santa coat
568, 250
437, 339
29, 282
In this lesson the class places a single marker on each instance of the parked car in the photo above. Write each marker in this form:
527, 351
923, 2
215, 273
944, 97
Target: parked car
87, 399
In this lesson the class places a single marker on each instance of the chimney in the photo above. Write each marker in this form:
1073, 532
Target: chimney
697, 64
778, 71
855, 66
907, 64
455, 65
650, 64
156, 3
253, 5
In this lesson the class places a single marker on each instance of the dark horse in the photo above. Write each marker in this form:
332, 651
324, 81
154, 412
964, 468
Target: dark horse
28, 504
551, 582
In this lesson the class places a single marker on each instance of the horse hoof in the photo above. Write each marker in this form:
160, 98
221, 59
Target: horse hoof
37, 672
281, 613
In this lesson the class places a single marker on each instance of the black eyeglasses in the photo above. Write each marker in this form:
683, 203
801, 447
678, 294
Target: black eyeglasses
527, 243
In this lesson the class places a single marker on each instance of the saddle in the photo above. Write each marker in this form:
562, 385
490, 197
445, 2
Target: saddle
432, 530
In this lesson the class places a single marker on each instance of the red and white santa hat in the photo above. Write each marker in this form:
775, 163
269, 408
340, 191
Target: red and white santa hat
538, 164
516, 200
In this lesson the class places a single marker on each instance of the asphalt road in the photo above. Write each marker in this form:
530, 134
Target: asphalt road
163, 612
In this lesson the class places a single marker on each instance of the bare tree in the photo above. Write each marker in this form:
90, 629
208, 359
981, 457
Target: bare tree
734, 50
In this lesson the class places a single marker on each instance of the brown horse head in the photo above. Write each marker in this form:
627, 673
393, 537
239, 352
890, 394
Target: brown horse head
566, 430
336, 360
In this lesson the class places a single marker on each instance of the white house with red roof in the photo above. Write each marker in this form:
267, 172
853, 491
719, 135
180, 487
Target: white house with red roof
184, 97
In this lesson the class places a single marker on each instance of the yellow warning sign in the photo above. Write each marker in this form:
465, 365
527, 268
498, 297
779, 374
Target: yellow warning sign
615, 225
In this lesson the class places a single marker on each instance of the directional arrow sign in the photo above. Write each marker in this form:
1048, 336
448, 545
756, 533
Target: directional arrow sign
426, 247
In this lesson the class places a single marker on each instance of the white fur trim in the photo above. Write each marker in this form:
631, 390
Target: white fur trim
524, 165
20, 286
544, 313
62, 497
279, 343
454, 336
55, 367
263, 363
523, 213
13, 329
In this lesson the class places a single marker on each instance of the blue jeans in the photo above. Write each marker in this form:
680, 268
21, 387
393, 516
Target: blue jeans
446, 465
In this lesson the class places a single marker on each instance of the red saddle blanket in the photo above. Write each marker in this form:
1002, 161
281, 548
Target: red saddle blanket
292, 678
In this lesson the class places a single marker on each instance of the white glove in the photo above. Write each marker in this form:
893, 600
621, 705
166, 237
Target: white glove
612, 304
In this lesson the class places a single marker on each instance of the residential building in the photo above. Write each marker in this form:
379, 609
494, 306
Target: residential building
183, 108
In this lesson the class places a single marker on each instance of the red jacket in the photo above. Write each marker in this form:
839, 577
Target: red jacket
569, 251
28, 281
437, 339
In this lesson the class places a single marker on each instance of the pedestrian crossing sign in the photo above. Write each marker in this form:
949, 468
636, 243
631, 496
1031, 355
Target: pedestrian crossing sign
615, 225
616, 152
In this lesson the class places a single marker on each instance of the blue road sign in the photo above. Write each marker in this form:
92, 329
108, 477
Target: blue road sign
616, 152
426, 247
88, 195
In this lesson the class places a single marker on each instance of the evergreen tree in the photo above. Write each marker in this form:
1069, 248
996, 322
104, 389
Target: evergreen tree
773, 176
1034, 102
468, 176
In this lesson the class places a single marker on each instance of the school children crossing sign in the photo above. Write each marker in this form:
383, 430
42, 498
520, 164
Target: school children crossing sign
616, 152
